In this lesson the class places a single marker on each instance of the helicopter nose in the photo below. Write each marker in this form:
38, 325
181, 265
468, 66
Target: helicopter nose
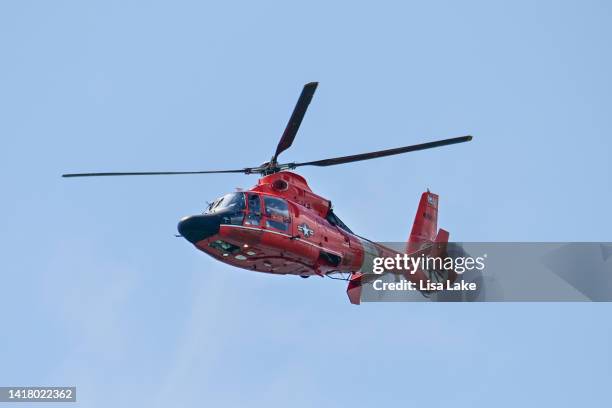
195, 228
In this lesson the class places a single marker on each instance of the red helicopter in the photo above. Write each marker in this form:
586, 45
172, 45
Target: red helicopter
281, 226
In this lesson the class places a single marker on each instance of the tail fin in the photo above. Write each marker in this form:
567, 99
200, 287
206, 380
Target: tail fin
425, 224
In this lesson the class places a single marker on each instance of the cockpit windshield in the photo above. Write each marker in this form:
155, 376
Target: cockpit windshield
232, 201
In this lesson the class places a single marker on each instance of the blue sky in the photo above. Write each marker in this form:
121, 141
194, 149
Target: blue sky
97, 292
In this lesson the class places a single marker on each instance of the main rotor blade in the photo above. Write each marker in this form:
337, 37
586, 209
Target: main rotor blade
155, 173
382, 153
296, 118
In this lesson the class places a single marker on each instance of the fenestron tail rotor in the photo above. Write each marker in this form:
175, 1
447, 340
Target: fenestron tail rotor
285, 143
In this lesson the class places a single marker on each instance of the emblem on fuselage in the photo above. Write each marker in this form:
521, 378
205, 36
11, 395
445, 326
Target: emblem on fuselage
305, 230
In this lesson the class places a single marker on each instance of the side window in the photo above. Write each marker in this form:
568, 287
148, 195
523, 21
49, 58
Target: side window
279, 225
254, 203
254, 215
276, 207
277, 213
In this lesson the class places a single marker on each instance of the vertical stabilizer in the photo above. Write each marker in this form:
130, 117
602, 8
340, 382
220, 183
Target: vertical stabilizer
425, 224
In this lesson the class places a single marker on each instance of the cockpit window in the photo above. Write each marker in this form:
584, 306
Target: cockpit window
254, 205
276, 207
232, 201
277, 213
254, 215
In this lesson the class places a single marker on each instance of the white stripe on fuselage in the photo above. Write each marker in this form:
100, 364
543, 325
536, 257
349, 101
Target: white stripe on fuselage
284, 235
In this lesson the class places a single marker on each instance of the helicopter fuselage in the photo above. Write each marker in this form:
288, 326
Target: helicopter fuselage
280, 226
